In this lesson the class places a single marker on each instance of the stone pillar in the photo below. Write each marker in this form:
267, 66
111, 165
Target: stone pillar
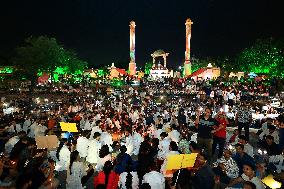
132, 64
187, 64
165, 60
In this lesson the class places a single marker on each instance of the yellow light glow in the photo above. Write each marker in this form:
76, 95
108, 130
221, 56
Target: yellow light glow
270, 182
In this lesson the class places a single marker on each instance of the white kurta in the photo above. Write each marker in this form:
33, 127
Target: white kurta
32, 130
129, 145
87, 126
64, 159
122, 180
78, 170
164, 148
278, 161
82, 146
155, 179
248, 149
174, 136
95, 129
93, 151
275, 135
82, 123
10, 144
101, 162
157, 133
27, 125
137, 139
106, 139
40, 130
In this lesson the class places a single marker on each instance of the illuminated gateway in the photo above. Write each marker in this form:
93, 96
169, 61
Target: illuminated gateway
159, 70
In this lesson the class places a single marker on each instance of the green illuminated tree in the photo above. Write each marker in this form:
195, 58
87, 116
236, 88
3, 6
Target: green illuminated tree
148, 67
265, 56
226, 64
196, 63
46, 55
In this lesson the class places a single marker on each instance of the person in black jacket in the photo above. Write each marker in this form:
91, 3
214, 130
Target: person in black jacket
270, 146
204, 177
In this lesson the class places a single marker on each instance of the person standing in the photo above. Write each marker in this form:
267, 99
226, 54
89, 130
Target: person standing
219, 133
154, 179
82, 145
77, 171
93, 149
205, 125
243, 120
63, 155
107, 177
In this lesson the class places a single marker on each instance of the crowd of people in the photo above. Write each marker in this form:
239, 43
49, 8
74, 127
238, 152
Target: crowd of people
126, 135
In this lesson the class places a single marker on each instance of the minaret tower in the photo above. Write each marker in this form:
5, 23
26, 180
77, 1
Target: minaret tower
187, 64
132, 64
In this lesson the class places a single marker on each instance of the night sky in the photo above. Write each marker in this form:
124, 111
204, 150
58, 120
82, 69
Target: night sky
98, 30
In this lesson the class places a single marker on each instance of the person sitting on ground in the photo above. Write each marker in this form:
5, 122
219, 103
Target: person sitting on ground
226, 167
242, 158
249, 185
204, 176
270, 146
270, 131
173, 151
277, 161
234, 138
247, 175
247, 147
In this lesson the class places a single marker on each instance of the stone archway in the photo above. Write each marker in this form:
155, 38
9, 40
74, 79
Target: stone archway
160, 53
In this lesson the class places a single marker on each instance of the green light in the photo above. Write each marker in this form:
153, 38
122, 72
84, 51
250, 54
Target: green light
6, 70
117, 82
101, 72
264, 57
148, 67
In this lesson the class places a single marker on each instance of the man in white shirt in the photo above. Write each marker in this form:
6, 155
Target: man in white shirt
13, 128
247, 147
11, 143
106, 138
33, 128
248, 175
137, 139
83, 121
155, 179
270, 131
129, 142
82, 145
27, 124
231, 98
164, 145
174, 135
40, 129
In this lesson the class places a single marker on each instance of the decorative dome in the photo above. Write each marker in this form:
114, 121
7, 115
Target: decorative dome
188, 20
159, 52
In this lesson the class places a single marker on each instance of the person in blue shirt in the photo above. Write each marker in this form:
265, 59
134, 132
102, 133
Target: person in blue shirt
242, 158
